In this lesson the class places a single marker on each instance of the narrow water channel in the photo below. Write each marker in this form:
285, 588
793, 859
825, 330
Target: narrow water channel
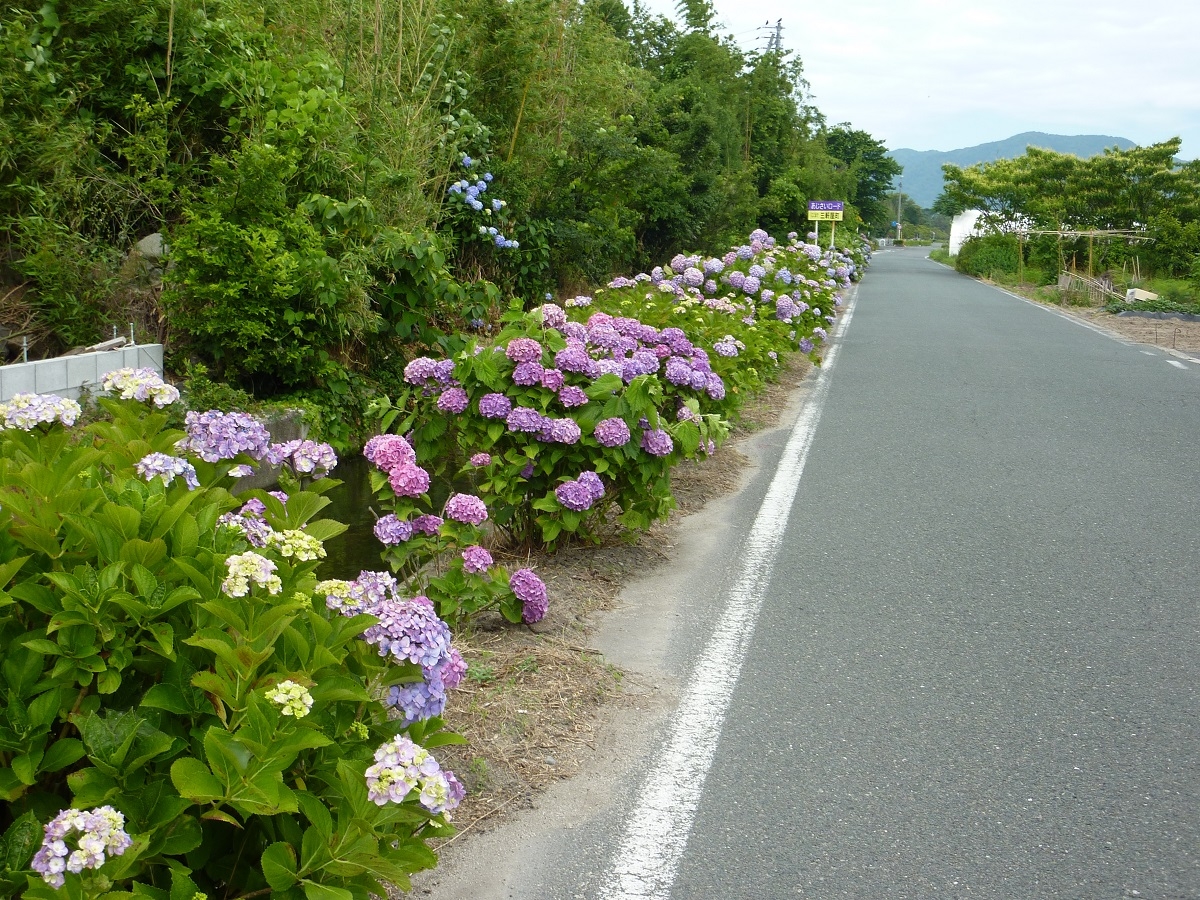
352, 504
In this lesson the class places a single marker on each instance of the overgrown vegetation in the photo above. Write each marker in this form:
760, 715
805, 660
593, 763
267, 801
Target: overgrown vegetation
299, 156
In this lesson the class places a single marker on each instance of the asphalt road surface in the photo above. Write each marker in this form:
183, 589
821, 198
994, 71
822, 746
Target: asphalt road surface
971, 666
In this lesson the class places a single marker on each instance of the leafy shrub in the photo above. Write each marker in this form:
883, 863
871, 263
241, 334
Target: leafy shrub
173, 666
983, 255
253, 284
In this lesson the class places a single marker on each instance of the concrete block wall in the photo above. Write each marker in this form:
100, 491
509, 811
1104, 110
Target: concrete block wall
66, 375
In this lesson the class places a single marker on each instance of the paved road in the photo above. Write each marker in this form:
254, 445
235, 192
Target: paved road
974, 671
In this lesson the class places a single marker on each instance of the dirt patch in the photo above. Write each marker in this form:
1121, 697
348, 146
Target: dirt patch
1170, 334
534, 697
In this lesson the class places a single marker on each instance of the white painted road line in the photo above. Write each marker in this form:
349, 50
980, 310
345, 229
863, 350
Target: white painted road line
1111, 335
657, 828
1150, 353
1176, 363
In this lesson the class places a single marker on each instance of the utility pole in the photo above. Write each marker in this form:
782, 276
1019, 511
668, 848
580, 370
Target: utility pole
899, 212
765, 26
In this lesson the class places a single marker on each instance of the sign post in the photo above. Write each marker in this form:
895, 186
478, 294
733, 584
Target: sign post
826, 211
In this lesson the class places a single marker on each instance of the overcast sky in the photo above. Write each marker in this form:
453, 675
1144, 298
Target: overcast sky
937, 75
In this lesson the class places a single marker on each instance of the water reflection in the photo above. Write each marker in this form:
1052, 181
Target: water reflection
352, 503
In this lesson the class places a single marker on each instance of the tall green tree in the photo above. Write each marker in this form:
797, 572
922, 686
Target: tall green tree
871, 170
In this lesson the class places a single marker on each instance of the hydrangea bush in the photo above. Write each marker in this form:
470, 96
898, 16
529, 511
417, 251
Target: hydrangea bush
745, 310
578, 407
440, 555
183, 709
554, 422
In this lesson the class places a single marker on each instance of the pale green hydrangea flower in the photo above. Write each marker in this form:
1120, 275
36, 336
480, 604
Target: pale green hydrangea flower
293, 698
245, 568
296, 544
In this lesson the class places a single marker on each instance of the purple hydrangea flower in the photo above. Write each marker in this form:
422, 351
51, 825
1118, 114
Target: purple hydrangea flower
303, 457
573, 358
248, 520
387, 451
214, 436
408, 631
727, 346
571, 396
603, 334
531, 591
676, 340
143, 384
657, 442
806, 346
96, 833
574, 496
715, 386
392, 531
524, 419
418, 700
679, 370
564, 431
165, 467
408, 480
494, 406
402, 767
452, 669
612, 432
523, 350
528, 374
467, 509
552, 379
553, 316
453, 400
427, 524
750, 285
479, 460
591, 481
476, 560
421, 370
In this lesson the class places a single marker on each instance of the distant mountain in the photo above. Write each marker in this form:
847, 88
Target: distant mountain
923, 168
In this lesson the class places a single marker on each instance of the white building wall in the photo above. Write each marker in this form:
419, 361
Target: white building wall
961, 228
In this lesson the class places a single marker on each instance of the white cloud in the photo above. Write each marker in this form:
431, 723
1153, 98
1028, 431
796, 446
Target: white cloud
934, 74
